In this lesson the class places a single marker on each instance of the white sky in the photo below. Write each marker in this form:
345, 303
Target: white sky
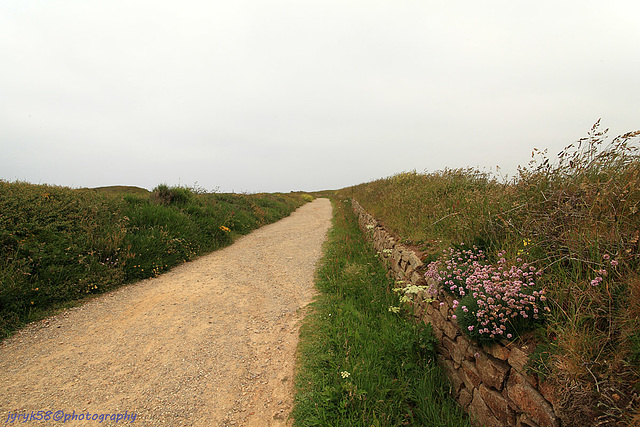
255, 95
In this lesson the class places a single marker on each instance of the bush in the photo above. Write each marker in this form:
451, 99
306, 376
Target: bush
172, 195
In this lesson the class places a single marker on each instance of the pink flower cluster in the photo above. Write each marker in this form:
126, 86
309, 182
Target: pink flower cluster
602, 272
454, 270
497, 296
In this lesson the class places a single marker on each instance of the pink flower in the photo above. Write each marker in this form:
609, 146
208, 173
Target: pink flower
614, 262
470, 327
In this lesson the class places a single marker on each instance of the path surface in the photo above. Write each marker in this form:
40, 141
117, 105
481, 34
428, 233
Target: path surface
210, 343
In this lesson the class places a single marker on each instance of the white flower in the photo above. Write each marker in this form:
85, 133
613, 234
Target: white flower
345, 374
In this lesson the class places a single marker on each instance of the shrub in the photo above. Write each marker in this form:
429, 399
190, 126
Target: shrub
172, 195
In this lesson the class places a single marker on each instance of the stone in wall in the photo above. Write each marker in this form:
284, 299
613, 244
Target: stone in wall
493, 371
499, 406
480, 410
496, 350
530, 401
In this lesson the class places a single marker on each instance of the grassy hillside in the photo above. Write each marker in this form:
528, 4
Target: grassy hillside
122, 189
574, 223
59, 245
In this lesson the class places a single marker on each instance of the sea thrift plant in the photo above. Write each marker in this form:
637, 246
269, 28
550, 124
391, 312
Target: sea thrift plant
453, 271
601, 273
496, 300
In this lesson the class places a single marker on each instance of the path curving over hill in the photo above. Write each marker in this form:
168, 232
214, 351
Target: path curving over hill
210, 343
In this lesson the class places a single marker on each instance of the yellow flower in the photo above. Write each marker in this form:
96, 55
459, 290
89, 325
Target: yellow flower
225, 229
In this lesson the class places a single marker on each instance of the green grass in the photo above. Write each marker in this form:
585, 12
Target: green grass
59, 245
392, 376
576, 217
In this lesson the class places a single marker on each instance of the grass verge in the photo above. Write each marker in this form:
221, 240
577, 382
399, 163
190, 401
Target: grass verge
359, 362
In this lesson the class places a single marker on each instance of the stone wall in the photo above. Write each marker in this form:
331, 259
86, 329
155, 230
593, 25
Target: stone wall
490, 382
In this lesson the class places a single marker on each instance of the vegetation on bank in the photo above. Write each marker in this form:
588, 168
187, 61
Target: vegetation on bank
59, 245
574, 223
360, 362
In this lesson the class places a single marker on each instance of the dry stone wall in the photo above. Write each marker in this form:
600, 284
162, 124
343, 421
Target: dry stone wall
490, 382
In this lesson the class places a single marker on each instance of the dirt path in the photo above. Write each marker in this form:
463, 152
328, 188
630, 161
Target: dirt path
211, 343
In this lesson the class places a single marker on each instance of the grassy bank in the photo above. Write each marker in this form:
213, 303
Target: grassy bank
575, 220
359, 362
59, 245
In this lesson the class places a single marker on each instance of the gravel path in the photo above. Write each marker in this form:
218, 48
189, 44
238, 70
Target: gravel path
210, 343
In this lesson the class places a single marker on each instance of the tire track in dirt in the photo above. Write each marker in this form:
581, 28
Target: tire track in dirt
210, 343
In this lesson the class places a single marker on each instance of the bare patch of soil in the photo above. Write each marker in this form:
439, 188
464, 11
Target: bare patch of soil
210, 343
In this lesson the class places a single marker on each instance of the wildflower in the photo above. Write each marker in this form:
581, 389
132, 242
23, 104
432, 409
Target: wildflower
614, 262
454, 317
225, 229
606, 257
501, 291
345, 374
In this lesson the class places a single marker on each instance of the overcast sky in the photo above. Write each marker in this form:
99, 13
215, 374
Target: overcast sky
255, 95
